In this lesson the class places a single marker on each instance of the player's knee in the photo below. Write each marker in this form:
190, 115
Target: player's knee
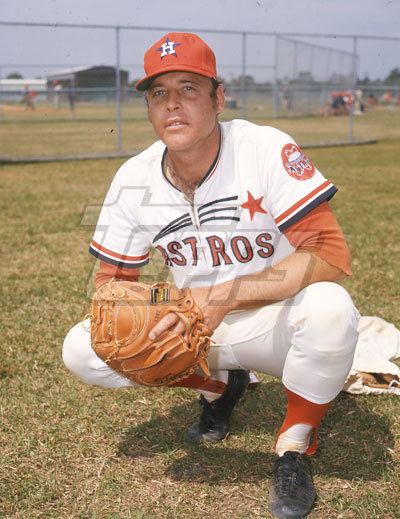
330, 319
82, 361
74, 350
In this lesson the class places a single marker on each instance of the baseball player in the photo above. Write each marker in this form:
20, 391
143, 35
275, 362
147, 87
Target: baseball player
241, 216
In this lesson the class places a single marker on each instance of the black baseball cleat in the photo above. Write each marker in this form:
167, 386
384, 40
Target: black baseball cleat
292, 493
213, 424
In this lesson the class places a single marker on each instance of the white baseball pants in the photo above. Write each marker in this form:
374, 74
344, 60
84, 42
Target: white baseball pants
307, 341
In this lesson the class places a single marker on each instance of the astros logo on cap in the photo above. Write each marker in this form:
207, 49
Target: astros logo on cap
168, 48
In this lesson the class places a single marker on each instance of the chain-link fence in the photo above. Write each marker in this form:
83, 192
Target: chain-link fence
90, 108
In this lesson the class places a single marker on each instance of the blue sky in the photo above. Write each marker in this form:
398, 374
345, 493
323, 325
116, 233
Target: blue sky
65, 47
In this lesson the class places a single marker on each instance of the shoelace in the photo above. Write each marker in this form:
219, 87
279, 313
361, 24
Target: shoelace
287, 472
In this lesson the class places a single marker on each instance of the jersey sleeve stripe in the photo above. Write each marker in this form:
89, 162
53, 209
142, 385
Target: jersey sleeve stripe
117, 263
303, 202
304, 209
111, 254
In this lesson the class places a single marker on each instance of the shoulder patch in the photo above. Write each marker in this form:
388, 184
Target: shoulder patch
296, 163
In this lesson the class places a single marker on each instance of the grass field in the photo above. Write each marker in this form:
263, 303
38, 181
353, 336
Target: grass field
73, 451
49, 133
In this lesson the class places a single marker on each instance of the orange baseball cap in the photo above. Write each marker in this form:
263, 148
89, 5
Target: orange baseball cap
178, 51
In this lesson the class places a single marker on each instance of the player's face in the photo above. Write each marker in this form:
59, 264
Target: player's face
181, 109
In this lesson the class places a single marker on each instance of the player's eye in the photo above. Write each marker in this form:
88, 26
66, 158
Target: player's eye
158, 92
188, 88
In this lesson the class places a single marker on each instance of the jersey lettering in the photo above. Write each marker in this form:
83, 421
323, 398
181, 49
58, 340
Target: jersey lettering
262, 241
179, 259
239, 248
243, 258
217, 249
192, 241
165, 256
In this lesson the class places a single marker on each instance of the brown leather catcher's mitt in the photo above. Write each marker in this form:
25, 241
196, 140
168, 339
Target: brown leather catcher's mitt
124, 312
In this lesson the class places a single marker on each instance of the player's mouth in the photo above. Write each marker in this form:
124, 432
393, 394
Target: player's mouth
175, 124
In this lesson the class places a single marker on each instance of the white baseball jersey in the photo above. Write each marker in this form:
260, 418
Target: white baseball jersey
260, 184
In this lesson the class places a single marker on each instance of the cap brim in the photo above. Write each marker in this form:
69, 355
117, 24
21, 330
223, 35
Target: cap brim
144, 83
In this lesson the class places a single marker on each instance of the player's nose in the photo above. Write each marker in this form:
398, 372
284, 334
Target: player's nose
173, 101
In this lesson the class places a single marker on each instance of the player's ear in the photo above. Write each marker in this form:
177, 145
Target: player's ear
147, 106
220, 98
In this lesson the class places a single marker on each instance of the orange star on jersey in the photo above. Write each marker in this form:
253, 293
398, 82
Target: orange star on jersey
253, 205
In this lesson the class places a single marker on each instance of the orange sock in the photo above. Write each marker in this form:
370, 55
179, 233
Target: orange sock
302, 411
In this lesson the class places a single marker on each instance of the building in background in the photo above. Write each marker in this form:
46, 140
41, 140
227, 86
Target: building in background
88, 83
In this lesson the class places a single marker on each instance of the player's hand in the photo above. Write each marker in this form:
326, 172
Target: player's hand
213, 303
170, 322
213, 306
